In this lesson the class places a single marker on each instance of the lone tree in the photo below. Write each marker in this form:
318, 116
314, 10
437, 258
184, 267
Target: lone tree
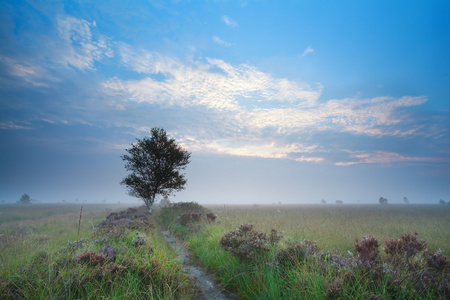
25, 199
405, 200
383, 200
155, 164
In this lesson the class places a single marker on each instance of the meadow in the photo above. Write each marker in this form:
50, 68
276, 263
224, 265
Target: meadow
335, 227
112, 255
311, 252
257, 252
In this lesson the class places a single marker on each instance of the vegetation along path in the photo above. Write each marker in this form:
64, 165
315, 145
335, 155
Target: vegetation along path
205, 281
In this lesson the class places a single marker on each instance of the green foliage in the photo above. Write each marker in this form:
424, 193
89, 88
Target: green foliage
155, 164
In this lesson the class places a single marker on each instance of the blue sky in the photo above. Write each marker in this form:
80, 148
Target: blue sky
290, 101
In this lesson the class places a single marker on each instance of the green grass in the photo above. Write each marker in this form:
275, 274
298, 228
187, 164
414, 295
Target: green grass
333, 228
16, 212
336, 227
36, 261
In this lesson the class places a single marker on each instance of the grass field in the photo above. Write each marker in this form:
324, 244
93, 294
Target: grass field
123, 255
337, 226
46, 257
336, 268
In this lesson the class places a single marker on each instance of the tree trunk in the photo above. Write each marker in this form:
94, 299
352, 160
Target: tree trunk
150, 204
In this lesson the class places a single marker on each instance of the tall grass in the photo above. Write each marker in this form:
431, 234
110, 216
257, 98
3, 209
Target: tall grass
334, 228
43, 259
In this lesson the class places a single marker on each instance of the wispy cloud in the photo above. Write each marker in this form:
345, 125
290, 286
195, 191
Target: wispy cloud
246, 102
307, 51
387, 158
80, 48
213, 85
15, 125
227, 20
221, 42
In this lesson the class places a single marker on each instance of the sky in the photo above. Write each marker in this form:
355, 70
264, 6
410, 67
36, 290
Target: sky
278, 101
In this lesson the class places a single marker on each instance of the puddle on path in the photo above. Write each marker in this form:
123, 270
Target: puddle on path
205, 281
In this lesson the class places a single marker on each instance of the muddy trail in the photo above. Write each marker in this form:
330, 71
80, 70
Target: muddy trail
210, 290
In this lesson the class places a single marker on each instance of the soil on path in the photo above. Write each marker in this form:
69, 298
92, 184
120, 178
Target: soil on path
205, 281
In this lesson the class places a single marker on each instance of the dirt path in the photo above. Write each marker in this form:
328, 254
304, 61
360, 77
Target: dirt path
205, 281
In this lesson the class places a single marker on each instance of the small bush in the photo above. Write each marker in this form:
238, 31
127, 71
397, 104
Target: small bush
211, 217
168, 214
132, 218
368, 253
275, 236
90, 258
294, 254
245, 243
403, 249
190, 217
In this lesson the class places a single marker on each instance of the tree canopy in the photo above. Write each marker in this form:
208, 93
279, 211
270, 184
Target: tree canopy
383, 200
155, 164
25, 199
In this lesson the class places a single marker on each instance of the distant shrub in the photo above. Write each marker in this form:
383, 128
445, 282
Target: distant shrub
339, 202
190, 217
169, 213
245, 243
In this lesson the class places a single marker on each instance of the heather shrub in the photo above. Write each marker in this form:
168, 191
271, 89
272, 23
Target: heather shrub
211, 217
190, 217
436, 272
139, 240
169, 213
131, 218
402, 250
368, 252
245, 243
90, 258
335, 259
109, 253
437, 261
294, 254
275, 236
